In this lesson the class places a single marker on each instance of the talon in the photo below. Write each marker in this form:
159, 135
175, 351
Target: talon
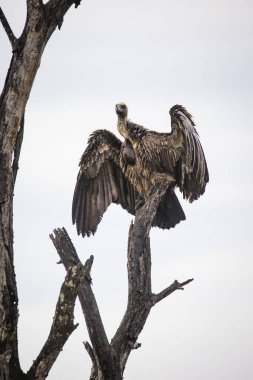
157, 177
138, 204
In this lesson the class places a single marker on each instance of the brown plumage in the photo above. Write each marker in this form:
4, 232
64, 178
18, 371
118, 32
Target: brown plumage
112, 171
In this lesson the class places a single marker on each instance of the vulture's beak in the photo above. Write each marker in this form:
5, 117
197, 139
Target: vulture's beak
121, 109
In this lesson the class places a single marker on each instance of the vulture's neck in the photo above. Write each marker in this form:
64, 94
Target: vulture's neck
122, 126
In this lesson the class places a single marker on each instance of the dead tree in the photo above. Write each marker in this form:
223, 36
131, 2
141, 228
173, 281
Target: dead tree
42, 20
109, 359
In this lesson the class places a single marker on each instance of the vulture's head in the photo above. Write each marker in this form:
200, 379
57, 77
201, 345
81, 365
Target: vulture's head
121, 110
179, 113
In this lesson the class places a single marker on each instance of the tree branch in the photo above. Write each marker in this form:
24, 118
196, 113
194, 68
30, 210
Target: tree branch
145, 215
8, 30
17, 149
62, 325
170, 289
62, 3
33, 4
139, 276
56, 9
109, 360
19, 80
99, 340
94, 369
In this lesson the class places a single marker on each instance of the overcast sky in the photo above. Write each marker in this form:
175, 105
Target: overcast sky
150, 55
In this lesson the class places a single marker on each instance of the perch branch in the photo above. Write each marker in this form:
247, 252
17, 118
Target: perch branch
8, 30
170, 289
33, 4
145, 215
139, 276
62, 325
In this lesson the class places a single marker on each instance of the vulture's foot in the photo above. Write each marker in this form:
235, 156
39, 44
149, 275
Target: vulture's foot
138, 204
159, 177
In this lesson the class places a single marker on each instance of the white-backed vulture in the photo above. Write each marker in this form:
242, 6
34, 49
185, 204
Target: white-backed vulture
123, 173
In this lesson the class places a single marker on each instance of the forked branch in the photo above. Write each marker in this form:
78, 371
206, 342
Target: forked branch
62, 325
8, 30
99, 340
109, 360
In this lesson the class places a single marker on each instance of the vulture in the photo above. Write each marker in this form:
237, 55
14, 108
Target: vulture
123, 172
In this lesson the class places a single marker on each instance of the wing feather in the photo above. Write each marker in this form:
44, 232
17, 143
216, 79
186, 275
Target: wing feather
93, 205
101, 197
106, 188
100, 182
127, 195
121, 189
193, 172
85, 221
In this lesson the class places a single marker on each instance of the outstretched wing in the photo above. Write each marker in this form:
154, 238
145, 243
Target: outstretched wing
192, 175
178, 153
100, 182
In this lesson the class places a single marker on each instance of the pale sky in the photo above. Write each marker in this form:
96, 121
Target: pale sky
150, 55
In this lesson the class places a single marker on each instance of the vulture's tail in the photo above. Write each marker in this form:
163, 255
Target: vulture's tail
169, 212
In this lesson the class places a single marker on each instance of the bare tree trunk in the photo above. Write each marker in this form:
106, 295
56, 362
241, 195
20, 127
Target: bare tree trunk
27, 51
109, 359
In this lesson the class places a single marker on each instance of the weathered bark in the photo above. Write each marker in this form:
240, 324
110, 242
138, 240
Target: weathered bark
62, 325
100, 352
40, 23
109, 360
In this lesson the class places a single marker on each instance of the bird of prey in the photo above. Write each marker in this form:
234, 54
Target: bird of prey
124, 172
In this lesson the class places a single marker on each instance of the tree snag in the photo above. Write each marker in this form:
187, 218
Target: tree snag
109, 359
